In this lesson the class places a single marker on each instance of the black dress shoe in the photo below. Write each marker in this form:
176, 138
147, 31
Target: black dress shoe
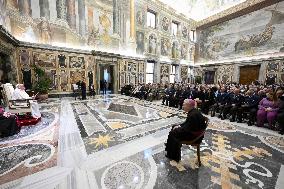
232, 120
281, 132
239, 121
250, 124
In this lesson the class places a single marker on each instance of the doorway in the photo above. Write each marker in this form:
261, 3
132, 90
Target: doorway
249, 74
209, 77
106, 79
5, 68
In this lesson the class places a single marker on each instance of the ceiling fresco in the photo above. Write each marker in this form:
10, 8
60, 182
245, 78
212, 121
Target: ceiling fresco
201, 9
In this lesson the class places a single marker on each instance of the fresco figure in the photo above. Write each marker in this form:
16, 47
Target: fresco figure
175, 50
140, 42
45, 31
152, 44
3, 4
165, 47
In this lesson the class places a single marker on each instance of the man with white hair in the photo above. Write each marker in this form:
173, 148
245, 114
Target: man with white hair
20, 94
193, 126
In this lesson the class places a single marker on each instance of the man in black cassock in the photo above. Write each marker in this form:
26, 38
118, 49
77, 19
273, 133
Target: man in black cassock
193, 126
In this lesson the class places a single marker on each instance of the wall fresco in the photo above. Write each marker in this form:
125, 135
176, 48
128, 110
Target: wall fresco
165, 47
140, 42
256, 33
58, 22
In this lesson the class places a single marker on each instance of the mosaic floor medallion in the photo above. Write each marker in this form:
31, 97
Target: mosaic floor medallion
229, 160
33, 149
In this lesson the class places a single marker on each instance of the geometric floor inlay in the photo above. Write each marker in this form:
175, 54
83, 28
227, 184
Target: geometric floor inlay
229, 160
116, 141
107, 122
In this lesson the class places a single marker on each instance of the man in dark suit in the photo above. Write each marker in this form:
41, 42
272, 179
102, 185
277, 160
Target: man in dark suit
251, 106
219, 101
236, 102
193, 126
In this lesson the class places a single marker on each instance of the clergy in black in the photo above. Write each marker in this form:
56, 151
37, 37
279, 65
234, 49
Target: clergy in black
193, 126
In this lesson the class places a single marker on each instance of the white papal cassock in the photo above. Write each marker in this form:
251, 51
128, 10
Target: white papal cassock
19, 94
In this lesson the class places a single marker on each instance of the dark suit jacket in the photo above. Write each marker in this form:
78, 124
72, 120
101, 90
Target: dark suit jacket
193, 125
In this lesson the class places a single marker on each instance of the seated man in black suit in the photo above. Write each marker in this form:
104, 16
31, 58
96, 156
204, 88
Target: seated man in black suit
193, 126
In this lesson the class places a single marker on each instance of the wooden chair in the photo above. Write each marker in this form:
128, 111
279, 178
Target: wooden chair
197, 141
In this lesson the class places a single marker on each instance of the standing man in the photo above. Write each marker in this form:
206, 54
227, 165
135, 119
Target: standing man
83, 88
104, 86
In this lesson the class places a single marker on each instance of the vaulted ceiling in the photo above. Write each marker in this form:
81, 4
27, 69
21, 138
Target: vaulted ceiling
200, 9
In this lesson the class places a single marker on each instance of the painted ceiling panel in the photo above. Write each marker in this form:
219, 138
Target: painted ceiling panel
200, 9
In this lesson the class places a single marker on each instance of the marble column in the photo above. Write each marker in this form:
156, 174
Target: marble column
82, 20
236, 74
61, 9
44, 8
115, 16
132, 21
262, 73
157, 72
90, 19
25, 7
71, 15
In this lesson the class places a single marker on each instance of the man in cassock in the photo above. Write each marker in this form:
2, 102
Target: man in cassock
20, 94
193, 126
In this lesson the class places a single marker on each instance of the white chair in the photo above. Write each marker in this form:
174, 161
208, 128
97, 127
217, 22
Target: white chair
15, 106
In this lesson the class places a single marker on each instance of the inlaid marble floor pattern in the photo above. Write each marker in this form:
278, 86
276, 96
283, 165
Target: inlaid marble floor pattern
117, 142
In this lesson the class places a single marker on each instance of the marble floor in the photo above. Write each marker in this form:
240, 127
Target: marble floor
117, 142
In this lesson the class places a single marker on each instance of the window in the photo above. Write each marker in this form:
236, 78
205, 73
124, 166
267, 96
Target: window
192, 35
172, 74
151, 19
174, 28
149, 72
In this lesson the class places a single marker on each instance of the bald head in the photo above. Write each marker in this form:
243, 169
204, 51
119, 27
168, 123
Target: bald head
188, 104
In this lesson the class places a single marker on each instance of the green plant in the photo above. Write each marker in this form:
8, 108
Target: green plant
43, 82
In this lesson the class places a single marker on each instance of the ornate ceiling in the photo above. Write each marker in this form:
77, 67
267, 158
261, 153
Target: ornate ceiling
201, 9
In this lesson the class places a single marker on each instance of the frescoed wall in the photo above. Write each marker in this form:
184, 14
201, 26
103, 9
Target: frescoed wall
103, 25
68, 23
259, 32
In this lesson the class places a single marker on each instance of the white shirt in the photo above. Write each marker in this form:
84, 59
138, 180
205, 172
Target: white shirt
20, 94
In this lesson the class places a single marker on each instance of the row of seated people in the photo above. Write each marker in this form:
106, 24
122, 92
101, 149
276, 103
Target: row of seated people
255, 102
258, 104
144, 91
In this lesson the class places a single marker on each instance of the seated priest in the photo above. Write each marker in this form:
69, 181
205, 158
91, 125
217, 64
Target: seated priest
193, 126
20, 93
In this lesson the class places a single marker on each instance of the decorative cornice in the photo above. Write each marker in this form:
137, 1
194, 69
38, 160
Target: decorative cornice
235, 11
9, 37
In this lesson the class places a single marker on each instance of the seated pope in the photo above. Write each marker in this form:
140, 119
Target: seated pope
20, 94
193, 126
